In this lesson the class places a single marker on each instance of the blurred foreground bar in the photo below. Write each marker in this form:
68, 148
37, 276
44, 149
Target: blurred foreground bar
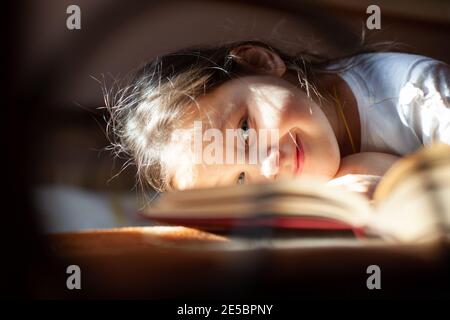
177, 262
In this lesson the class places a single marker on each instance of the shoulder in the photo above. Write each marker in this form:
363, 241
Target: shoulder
389, 58
385, 74
430, 76
424, 101
403, 100
396, 73
381, 64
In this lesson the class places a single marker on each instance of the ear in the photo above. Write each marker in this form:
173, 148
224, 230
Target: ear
259, 59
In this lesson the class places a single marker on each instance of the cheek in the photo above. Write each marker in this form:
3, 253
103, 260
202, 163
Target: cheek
306, 115
318, 138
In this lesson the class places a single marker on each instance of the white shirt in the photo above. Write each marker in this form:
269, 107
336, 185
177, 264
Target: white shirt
403, 100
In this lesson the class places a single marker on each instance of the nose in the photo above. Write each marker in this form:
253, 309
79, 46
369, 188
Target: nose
270, 165
281, 159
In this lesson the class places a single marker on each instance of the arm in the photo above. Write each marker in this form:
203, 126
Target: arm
367, 163
361, 172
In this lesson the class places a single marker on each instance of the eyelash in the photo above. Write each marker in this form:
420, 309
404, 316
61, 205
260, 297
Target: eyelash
245, 121
241, 178
244, 126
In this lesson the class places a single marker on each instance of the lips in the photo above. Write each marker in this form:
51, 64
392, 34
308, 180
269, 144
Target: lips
300, 156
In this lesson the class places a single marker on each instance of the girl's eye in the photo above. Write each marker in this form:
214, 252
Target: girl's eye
241, 178
245, 128
244, 125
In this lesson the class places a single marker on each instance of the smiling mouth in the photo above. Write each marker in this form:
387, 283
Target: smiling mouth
300, 156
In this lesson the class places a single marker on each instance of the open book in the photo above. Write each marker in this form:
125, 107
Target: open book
411, 203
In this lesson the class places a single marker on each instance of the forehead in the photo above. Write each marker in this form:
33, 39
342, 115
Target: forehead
217, 108
221, 102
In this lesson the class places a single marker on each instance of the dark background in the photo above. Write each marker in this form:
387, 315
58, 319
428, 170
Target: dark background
53, 129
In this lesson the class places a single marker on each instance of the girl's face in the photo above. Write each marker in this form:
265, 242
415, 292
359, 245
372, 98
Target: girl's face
306, 142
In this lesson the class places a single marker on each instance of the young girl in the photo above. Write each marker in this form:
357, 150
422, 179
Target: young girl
354, 115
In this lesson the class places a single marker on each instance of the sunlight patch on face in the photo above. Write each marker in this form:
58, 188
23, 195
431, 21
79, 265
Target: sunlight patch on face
269, 166
270, 100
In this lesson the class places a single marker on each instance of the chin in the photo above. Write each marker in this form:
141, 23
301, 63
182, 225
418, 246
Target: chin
324, 167
323, 172
322, 162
